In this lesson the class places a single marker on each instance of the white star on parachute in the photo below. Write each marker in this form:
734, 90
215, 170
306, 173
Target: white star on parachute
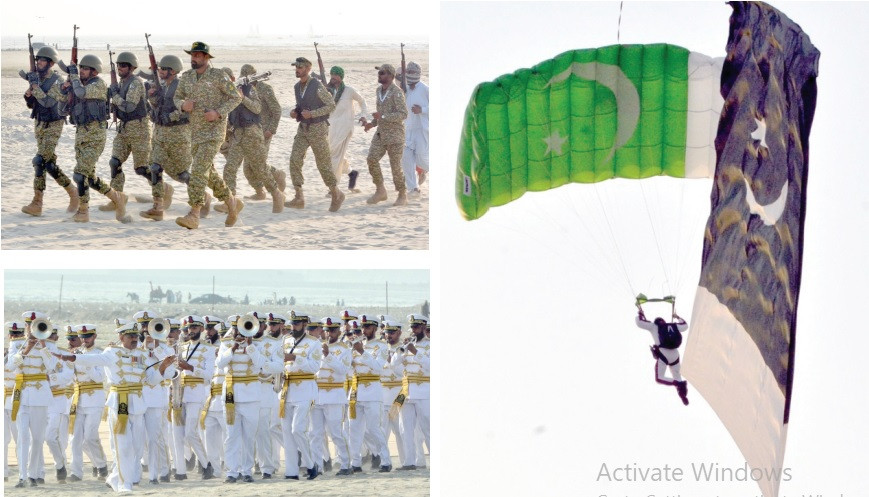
760, 132
554, 142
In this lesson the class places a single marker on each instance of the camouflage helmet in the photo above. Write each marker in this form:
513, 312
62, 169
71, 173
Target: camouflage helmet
172, 62
49, 53
247, 70
229, 72
128, 58
91, 61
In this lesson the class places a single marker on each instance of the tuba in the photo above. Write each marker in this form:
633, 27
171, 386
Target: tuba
40, 328
159, 329
248, 325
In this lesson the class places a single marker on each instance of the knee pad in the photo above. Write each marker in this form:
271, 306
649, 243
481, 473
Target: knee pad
156, 173
115, 166
184, 177
79, 180
52, 169
141, 171
38, 165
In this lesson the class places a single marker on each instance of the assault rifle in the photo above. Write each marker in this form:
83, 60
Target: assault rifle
112, 106
403, 71
32, 56
246, 80
73, 59
320, 63
153, 60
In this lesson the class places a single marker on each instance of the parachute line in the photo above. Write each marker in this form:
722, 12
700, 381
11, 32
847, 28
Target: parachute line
655, 234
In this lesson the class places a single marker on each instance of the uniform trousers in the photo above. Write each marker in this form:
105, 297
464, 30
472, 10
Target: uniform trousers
127, 468
158, 459
415, 414
240, 436
86, 438
57, 438
297, 416
265, 453
31, 436
189, 434
10, 432
214, 435
367, 425
394, 426
328, 417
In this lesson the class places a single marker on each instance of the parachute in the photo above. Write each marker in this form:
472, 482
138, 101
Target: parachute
629, 111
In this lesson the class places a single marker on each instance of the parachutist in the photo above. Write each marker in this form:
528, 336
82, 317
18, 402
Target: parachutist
668, 338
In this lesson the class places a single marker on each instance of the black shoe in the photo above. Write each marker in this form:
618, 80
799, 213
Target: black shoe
267, 476
230, 479
327, 466
73, 478
375, 462
313, 472
20, 484
135, 483
61, 474
357, 469
353, 175
164, 479
409, 467
41, 481
366, 459
180, 477
153, 482
344, 472
95, 470
291, 477
104, 471
33, 482
208, 472
248, 479
385, 469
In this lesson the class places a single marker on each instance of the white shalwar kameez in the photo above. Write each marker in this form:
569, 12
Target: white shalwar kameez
415, 135
341, 123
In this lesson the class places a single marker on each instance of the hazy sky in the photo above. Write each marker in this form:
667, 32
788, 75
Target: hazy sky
561, 379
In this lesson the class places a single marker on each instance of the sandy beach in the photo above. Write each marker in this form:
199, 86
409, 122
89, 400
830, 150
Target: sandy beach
356, 226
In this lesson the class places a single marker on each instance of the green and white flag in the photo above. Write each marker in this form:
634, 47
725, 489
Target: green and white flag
627, 111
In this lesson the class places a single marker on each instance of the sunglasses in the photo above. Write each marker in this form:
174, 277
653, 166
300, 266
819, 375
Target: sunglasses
165, 68
381, 73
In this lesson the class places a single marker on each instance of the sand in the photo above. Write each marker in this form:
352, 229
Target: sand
356, 226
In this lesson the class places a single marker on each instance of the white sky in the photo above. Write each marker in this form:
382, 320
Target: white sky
552, 379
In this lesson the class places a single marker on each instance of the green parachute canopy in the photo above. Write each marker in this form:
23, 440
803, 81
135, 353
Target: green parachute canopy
628, 111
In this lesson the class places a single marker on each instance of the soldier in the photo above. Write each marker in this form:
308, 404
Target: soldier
391, 381
134, 132
45, 98
89, 115
57, 429
269, 434
16, 340
331, 402
302, 356
247, 144
415, 156
156, 398
416, 360
271, 116
127, 370
86, 407
207, 96
211, 419
343, 120
170, 148
314, 103
389, 137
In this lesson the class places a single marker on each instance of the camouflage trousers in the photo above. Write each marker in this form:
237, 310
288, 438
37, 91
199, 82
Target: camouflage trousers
247, 144
248, 171
203, 173
170, 148
315, 136
47, 136
90, 141
133, 137
376, 152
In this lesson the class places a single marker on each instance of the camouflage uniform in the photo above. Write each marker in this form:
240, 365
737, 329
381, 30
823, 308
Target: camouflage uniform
212, 91
389, 137
314, 135
246, 143
170, 147
48, 134
271, 116
90, 141
134, 135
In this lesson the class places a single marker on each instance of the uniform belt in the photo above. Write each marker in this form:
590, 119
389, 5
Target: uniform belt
229, 398
57, 392
77, 389
124, 391
192, 380
88, 386
366, 378
127, 388
217, 389
329, 386
391, 384
245, 379
299, 377
32, 377
417, 378
20, 381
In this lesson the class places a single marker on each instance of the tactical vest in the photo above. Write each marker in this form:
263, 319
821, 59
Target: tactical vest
241, 116
166, 106
310, 101
85, 111
47, 114
139, 112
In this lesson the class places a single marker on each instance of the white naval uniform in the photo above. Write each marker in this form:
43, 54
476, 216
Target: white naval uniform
415, 135
214, 431
300, 387
195, 386
267, 443
127, 372
32, 377
57, 429
91, 401
391, 381
156, 399
331, 404
416, 412
10, 429
367, 368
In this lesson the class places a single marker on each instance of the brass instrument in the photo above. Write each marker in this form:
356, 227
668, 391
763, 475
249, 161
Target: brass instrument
159, 329
40, 328
248, 325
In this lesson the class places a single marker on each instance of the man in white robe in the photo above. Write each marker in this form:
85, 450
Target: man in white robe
349, 107
415, 156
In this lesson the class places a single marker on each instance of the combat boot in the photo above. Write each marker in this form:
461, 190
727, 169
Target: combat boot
191, 220
167, 195
402, 198
278, 198
234, 205
298, 201
259, 195
221, 208
280, 179
682, 390
35, 206
155, 212
107, 207
73, 198
82, 215
379, 195
120, 201
207, 207
337, 199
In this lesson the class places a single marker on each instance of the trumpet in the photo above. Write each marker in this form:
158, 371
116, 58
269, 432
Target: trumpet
248, 325
407, 341
159, 329
40, 328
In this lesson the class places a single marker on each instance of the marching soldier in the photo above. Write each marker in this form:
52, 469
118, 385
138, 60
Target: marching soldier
16, 340
170, 147
314, 103
206, 95
247, 144
415, 413
331, 402
89, 115
45, 98
127, 370
57, 429
134, 133
86, 407
211, 419
391, 380
271, 116
389, 137
156, 399
269, 433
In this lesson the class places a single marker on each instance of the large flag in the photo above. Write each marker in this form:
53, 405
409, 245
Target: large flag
628, 111
740, 352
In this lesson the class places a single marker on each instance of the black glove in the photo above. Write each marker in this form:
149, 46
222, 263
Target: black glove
72, 69
33, 78
114, 89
